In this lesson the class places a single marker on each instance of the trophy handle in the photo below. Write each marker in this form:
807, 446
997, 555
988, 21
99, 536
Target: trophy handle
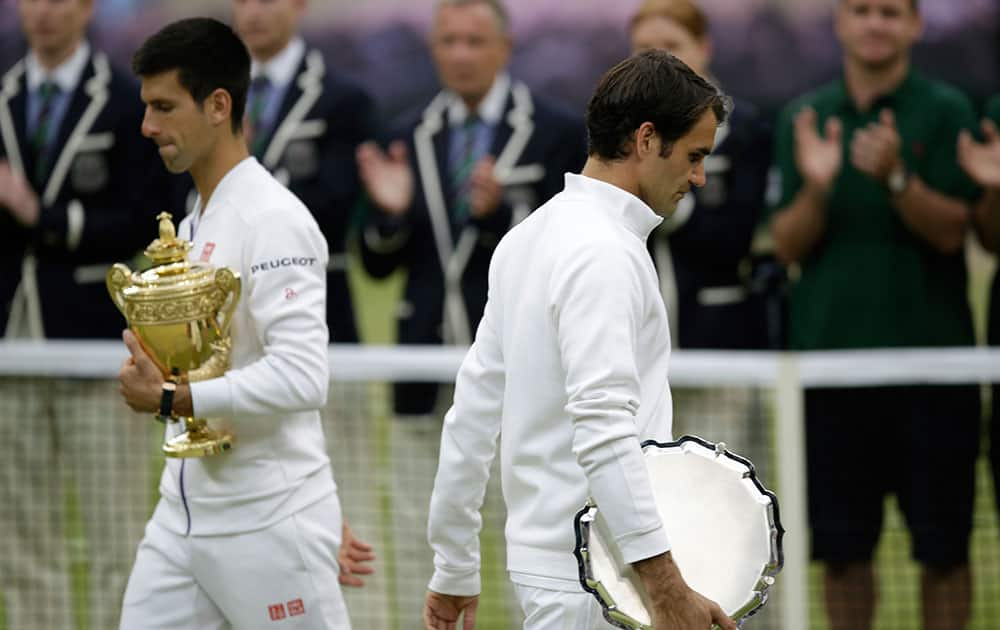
119, 277
229, 282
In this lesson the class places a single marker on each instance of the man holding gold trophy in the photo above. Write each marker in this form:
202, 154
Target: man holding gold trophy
229, 326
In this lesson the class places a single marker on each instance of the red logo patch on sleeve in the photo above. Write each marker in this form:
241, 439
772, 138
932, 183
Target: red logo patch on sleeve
277, 612
206, 251
296, 607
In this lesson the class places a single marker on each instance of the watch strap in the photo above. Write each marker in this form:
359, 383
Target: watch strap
169, 387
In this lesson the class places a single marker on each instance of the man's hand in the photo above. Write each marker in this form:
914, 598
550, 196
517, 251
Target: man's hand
692, 610
387, 177
817, 157
441, 612
875, 148
17, 196
353, 558
486, 192
675, 605
140, 381
981, 161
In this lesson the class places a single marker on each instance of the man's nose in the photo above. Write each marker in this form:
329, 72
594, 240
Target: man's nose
698, 175
149, 129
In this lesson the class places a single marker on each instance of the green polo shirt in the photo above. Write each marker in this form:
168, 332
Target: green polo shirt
993, 113
871, 282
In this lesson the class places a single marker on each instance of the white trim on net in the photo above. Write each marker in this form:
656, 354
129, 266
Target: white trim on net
688, 368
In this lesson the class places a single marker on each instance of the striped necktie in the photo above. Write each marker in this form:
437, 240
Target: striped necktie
462, 163
47, 92
260, 91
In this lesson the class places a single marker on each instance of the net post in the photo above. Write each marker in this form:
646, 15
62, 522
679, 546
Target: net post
791, 454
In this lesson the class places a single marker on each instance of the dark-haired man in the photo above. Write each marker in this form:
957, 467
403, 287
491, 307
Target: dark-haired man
874, 210
304, 123
569, 367
249, 537
79, 188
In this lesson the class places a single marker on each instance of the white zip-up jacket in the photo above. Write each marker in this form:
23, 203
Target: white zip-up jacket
278, 381
569, 368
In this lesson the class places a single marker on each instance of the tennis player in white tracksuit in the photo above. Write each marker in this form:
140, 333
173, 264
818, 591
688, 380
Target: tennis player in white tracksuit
581, 258
569, 368
247, 539
254, 531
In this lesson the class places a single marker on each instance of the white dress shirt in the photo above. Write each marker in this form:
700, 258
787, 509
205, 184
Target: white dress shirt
280, 70
271, 396
490, 110
66, 76
569, 370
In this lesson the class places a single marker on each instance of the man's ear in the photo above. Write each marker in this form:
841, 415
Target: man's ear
219, 106
646, 139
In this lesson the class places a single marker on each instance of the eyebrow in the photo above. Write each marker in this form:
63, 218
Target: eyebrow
704, 151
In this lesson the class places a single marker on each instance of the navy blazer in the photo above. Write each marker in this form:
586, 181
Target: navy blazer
534, 145
99, 202
311, 148
718, 302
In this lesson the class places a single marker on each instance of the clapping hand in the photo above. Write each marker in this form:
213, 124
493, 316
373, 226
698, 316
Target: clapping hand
386, 175
981, 161
875, 147
818, 157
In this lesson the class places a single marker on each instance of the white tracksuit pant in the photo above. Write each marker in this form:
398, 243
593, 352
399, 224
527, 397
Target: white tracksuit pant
546, 609
283, 577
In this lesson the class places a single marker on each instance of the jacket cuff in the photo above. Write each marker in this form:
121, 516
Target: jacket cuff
212, 398
641, 545
386, 233
464, 583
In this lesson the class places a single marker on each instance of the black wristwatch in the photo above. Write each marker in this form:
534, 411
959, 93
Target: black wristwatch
167, 399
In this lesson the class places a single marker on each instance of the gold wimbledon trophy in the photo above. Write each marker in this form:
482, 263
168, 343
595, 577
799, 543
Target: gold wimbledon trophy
180, 311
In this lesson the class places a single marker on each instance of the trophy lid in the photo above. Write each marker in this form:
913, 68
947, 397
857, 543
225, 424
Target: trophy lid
168, 248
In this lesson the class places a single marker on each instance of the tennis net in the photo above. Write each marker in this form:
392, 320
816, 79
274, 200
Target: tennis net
80, 473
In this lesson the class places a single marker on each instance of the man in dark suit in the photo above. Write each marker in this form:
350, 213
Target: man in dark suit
79, 190
304, 123
483, 154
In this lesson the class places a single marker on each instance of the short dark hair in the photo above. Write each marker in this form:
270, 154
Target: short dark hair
207, 55
651, 86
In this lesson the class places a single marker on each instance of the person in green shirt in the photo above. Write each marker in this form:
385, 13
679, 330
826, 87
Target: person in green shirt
871, 220
981, 161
